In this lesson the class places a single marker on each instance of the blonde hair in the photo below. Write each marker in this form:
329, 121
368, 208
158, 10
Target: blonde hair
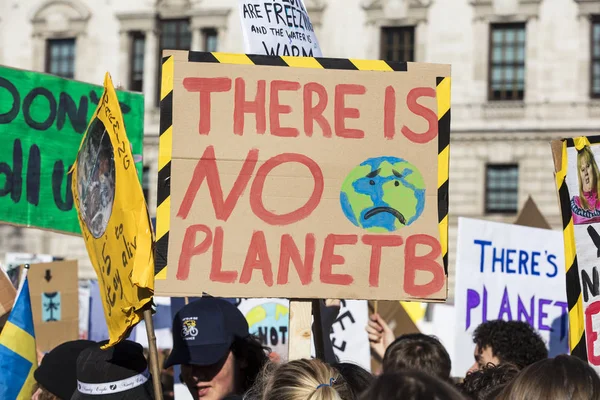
301, 380
586, 155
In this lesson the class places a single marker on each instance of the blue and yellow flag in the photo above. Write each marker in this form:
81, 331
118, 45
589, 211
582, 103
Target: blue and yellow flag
18, 356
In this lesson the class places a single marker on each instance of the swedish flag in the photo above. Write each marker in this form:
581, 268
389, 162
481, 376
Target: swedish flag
18, 356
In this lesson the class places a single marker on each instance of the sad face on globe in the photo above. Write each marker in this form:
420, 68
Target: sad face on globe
383, 194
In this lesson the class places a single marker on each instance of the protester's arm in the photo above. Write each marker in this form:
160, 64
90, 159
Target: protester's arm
380, 335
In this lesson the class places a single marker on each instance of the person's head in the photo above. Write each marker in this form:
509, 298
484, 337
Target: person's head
302, 380
418, 352
588, 174
410, 385
485, 384
56, 377
563, 377
514, 342
118, 373
218, 356
355, 376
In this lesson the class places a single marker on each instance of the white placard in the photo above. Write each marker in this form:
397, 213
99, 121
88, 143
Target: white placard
278, 28
508, 272
349, 338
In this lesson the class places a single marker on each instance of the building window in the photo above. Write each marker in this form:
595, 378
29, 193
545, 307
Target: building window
175, 34
60, 57
507, 62
398, 43
146, 183
209, 37
595, 64
136, 65
502, 188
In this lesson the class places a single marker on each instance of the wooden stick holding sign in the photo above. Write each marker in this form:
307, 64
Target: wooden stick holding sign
299, 332
303, 314
154, 367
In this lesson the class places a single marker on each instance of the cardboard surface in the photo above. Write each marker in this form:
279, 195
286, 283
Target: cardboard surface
43, 119
113, 217
299, 183
531, 216
7, 293
54, 291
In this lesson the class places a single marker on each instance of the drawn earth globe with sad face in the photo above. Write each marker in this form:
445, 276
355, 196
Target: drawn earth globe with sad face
383, 194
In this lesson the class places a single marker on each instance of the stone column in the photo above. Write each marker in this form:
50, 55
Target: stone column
124, 59
196, 44
151, 59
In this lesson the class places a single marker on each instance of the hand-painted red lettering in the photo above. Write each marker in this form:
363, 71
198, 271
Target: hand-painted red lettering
377, 242
428, 263
257, 258
206, 86
276, 109
329, 259
289, 252
256, 191
591, 334
189, 248
314, 113
207, 168
341, 112
389, 113
243, 106
216, 268
422, 111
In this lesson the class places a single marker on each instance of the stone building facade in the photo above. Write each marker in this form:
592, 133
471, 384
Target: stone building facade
523, 72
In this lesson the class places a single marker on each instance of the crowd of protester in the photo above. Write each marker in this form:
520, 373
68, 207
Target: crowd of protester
220, 360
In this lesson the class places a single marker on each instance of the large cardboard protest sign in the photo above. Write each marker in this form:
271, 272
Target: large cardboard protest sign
42, 120
113, 217
508, 272
324, 181
577, 180
54, 291
278, 28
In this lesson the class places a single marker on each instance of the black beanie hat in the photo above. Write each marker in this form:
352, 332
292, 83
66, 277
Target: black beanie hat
117, 373
58, 371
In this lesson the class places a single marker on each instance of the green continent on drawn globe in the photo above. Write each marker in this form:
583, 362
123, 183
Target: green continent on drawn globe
383, 194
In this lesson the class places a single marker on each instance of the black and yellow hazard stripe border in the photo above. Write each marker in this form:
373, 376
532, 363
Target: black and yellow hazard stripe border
443, 87
577, 339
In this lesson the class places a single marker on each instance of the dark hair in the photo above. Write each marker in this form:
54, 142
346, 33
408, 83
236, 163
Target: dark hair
410, 385
563, 377
486, 383
419, 352
511, 341
254, 354
356, 376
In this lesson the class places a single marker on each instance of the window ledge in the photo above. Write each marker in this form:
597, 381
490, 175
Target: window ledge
498, 109
594, 108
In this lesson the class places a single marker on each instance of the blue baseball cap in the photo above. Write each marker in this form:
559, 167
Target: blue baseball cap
204, 330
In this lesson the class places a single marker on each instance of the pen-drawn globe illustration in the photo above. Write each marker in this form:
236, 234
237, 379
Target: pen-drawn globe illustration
383, 194
96, 179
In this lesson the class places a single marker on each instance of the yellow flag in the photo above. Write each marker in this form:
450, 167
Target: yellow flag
113, 217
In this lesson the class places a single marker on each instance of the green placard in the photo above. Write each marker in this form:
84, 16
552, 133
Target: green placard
42, 121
